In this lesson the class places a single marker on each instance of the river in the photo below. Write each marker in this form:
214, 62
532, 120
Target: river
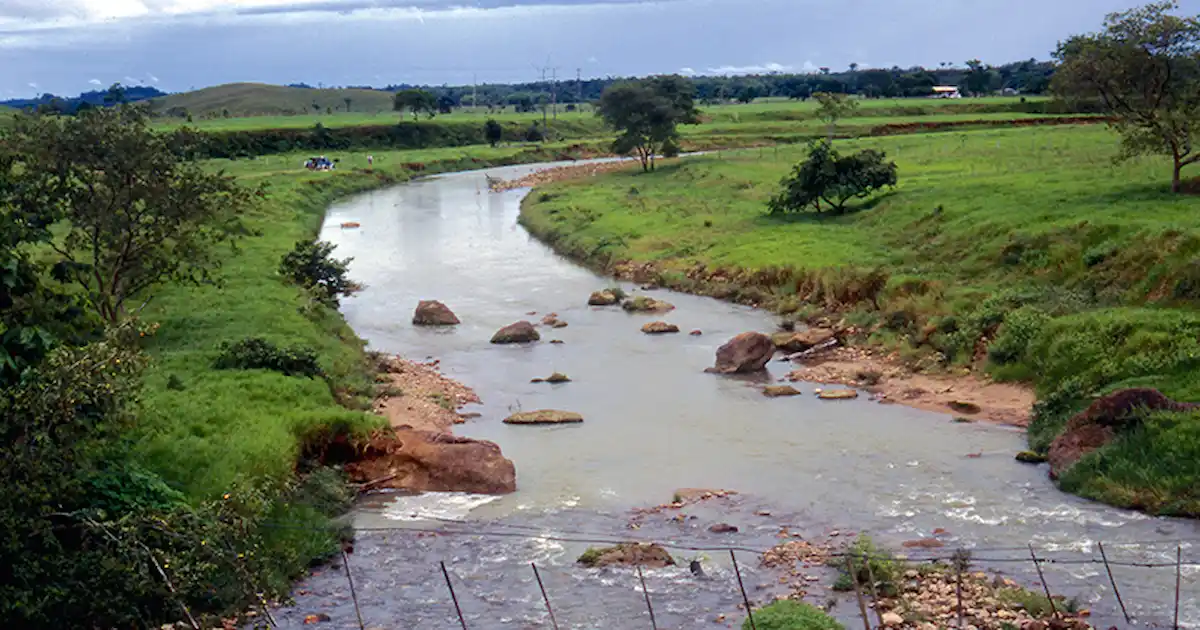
656, 422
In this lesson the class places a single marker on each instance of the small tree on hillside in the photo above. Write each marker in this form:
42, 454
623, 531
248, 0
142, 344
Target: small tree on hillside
445, 104
416, 102
134, 213
828, 177
493, 131
1144, 67
979, 78
348, 101
646, 114
833, 107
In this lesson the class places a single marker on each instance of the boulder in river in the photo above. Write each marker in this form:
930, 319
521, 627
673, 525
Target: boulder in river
544, 416
793, 342
1030, 457
780, 391
643, 304
837, 394
659, 328
520, 332
558, 377
747, 352
426, 461
433, 313
603, 298
723, 528
648, 555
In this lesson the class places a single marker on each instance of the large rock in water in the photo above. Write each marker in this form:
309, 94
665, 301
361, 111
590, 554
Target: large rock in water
747, 352
1099, 424
427, 461
647, 555
544, 416
793, 342
520, 332
660, 328
603, 298
434, 313
643, 304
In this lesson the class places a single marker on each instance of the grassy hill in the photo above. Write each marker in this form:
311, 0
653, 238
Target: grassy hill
258, 99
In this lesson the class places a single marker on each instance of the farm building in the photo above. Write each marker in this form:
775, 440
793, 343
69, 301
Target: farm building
946, 91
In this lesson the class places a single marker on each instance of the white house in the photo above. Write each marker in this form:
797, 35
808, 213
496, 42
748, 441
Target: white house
946, 91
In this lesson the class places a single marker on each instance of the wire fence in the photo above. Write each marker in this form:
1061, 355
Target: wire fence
853, 562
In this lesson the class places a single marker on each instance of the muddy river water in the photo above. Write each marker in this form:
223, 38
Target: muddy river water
656, 422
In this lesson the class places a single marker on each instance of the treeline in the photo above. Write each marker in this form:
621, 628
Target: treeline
98, 98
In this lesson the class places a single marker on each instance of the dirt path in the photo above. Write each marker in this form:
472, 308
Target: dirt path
968, 396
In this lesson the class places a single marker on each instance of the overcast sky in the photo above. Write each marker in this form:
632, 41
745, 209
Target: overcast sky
68, 46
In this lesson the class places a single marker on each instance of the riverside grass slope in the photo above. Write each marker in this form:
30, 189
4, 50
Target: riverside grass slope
1078, 274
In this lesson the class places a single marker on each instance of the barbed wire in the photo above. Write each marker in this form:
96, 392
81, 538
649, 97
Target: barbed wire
680, 546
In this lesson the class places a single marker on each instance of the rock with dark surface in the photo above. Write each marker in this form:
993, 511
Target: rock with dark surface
686, 496
1030, 457
647, 555
520, 332
780, 391
696, 333
660, 328
643, 304
793, 342
964, 407
745, 353
558, 377
427, 461
723, 528
544, 416
434, 313
603, 298
1097, 425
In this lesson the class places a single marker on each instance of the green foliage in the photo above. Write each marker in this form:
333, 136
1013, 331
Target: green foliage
590, 556
256, 353
1145, 69
312, 266
136, 215
417, 102
646, 113
786, 614
825, 176
887, 571
833, 107
493, 132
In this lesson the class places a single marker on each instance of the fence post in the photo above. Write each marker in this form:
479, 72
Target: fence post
1178, 579
462, 620
1113, 581
862, 606
545, 597
1042, 577
353, 594
958, 575
874, 592
646, 592
742, 587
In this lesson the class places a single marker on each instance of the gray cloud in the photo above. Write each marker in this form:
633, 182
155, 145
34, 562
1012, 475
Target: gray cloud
345, 7
377, 44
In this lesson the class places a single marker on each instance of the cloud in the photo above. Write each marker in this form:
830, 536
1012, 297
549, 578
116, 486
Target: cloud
687, 72
33, 85
131, 81
96, 82
765, 68
151, 78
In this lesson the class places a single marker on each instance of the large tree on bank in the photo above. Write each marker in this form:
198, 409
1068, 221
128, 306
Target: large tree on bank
646, 114
1144, 67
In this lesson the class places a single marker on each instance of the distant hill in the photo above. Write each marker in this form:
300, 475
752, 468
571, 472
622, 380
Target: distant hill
258, 99
95, 98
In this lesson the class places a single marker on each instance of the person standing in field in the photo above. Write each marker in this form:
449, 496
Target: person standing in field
370, 160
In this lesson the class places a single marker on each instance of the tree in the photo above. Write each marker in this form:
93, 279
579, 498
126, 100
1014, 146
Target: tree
416, 102
1144, 68
445, 104
979, 77
825, 176
134, 213
646, 114
312, 267
493, 132
348, 101
833, 107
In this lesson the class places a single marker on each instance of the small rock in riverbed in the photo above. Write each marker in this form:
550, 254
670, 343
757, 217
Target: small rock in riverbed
557, 342
747, 352
780, 391
558, 377
696, 333
837, 394
643, 304
1030, 457
968, 408
723, 528
647, 555
544, 416
659, 328
520, 332
603, 298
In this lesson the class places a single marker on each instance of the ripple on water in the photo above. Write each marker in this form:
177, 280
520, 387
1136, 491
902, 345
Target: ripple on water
435, 506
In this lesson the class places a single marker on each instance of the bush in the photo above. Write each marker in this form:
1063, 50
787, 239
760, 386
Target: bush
311, 266
887, 571
786, 614
255, 353
493, 131
828, 177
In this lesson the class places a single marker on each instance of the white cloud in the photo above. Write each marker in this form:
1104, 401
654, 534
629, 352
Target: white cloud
687, 72
593, 60
765, 68
131, 81
151, 78
96, 82
33, 85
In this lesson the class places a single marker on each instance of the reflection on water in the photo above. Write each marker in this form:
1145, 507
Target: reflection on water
655, 422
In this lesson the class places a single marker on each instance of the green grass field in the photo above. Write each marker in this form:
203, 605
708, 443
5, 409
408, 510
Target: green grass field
1089, 264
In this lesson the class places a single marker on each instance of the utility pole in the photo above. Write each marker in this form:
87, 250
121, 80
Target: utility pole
545, 129
554, 92
475, 93
579, 89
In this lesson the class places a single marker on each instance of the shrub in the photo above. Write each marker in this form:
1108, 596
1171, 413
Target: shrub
886, 571
786, 614
311, 266
825, 176
255, 353
1020, 327
493, 131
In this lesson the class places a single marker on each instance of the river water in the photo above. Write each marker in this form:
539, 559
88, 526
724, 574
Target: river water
656, 422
